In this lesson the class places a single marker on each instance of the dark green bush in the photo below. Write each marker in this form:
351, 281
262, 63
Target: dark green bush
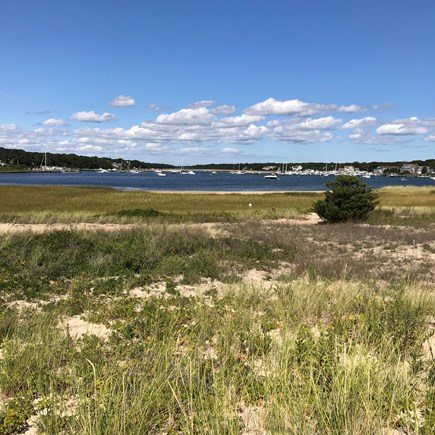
348, 200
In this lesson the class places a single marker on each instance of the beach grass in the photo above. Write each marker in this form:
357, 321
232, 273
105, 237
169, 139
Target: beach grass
245, 326
307, 356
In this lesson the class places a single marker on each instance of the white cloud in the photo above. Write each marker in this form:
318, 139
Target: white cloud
400, 129
360, 122
298, 108
361, 136
353, 108
195, 116
287, 107
52, 122
303, 130
89, 148
195, 151
202, 103
304, 137
411, 126
318, 124
230, 151
8, 127
92, 117
238, 120
122, 101
224, 110
201, 125
154, 107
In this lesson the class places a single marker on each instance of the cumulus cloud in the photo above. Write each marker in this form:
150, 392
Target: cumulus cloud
196, 116
224, 110
52, 122
361, 136
122, 101
324, 123
7, 127
303, 130
202, 103
89, 148
239, 120
360, 122
303, 137
298, 108
200, 125
410, 126
287, 107
92, 117
353, 108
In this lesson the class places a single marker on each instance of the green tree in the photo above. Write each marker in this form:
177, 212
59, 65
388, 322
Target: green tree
348, 199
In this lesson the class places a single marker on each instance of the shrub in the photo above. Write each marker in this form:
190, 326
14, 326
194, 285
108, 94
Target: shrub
348, 200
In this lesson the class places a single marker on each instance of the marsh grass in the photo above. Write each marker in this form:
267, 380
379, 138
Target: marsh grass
63, 204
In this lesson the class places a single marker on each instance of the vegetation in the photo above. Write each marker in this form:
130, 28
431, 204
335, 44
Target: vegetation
243, 325
348, 200
17, 159
20, 159
57, 203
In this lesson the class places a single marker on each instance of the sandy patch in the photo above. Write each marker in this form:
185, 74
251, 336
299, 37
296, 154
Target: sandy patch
308, 219
157, 290
76, 327
252, 418
22, 305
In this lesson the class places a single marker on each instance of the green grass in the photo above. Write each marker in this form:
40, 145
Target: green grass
309, 357
33, 204
36, 203
334, 340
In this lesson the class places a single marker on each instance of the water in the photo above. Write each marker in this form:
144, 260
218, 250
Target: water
202, 181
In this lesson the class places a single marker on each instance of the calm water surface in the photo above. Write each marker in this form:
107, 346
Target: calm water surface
202, 181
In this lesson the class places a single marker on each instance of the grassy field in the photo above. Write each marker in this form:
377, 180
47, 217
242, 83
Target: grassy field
241, 326
82, 204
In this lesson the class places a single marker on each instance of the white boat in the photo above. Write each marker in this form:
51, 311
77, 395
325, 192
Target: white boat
190, 173
403, 179
160, 174
271, 177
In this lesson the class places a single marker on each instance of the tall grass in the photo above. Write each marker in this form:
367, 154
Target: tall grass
309, 357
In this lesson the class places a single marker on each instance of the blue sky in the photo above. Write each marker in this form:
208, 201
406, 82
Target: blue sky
228, 81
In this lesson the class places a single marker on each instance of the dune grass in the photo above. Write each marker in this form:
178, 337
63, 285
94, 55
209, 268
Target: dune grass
310, 356
336, 338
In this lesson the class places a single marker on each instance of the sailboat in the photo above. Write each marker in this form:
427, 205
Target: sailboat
44, 168
271, 177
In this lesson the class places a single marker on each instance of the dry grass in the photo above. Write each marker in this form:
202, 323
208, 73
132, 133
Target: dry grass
350, 250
